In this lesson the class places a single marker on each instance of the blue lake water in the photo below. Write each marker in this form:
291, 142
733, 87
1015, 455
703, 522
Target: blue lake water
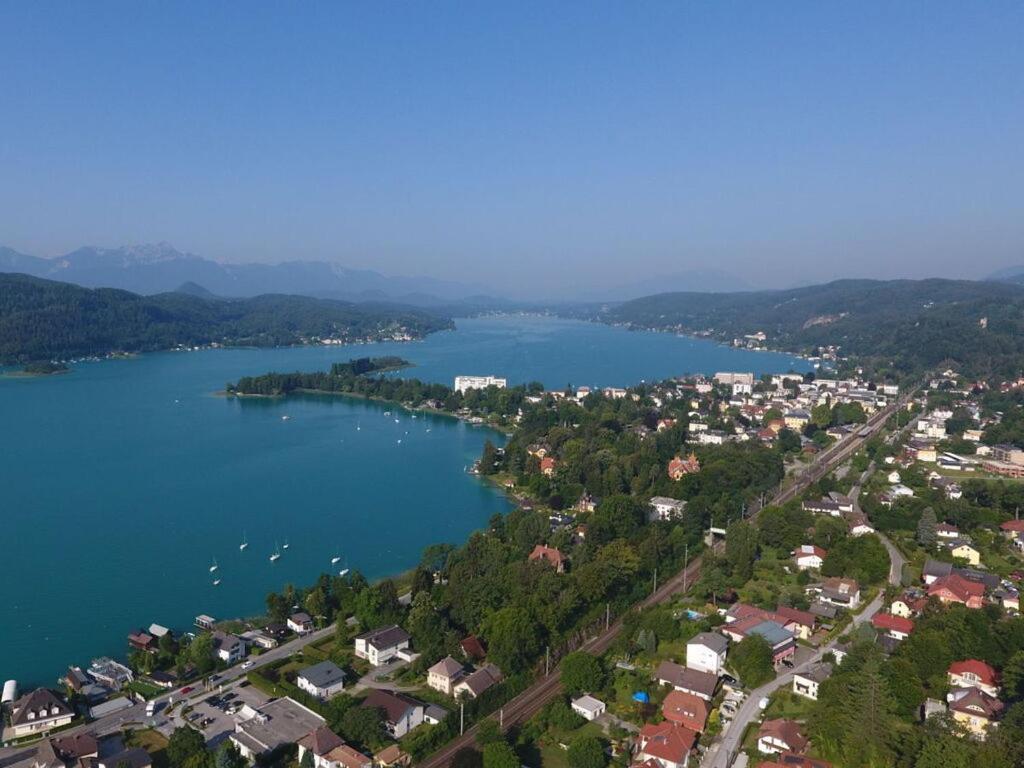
122, 481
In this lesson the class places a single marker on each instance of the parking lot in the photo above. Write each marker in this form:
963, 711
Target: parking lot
214, 715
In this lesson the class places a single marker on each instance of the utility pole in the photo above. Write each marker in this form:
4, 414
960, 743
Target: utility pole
547, 660
462, 718
501, 718
655, 581
607, 615
686, 560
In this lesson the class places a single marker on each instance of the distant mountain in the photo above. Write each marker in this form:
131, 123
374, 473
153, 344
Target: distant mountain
160, 268
692, 281
1008, 275
47, 320
194, 289
909, 323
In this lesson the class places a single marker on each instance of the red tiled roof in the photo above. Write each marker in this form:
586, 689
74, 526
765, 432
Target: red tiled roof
980, 669
547, 554
892, 623
667, 741
960, 587
786, 731
685, 709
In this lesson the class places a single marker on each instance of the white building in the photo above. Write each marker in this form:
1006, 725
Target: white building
706, 652
665, 508
322, 680
588, 707
444, 675
228, 648
380, 646
38, 712
465, 383
806, 683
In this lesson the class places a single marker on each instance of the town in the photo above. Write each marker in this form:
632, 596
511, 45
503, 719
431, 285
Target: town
840, 562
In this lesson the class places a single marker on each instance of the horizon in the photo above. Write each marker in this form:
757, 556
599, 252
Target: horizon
541, 152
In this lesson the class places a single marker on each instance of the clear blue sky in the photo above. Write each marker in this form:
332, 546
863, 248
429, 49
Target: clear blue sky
548, 144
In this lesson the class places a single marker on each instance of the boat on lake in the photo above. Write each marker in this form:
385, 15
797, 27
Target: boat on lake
244, 544
214, 566
277, 554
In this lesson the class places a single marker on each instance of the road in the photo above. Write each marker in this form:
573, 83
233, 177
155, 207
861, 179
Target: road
722, 754
533, 699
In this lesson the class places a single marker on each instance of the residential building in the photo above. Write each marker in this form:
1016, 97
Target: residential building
809, 557
706, 652
780, 735
678, 467
379, 646
974, 709
401, 713
545, 554
806, 683
300, 623
896, 627
475, 683
686, 710
702, 684
38, 712
973, 673
465, 383
278, 722
227, 647
956, 589
443, 675
665, 508
322, 680
842, 593
330, 751
588, 707
780, 639
666, 745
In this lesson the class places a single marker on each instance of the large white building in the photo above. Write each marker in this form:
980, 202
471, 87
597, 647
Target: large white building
465, 383
706, 652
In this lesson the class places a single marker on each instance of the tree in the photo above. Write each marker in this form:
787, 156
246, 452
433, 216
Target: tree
277, 607
741, 549
307, 759
316, 605
228, 756
1013, 677
582, 673
586, 752
378, 605
489, 459
499, 754
751, 659
512, 640
617, 516
184, 743
488, 732
927, 533
362, 725
467, 757
201, 653
869, 720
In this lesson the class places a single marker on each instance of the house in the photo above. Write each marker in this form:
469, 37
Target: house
277, 723
780, 735
227, 647
548, 466
858, 524
678, 467
434, 714
947, 531
588, 707
443, 675
330, 751
840, 592
701, 684
475, 683
956, 589
809, 557
322, 680
964, 550
392, 757
401, 713
896, 627
686, 710
706, 652
40, 711
120, 758
73, 748
800, 623
665, 508
472, 648
972, 673
974, 709
143, 641
797, 419
778, 637
806, 683
545, 554
300, 623
379, 646
666, 745
1013, 529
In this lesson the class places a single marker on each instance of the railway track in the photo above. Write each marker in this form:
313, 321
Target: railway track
533, 699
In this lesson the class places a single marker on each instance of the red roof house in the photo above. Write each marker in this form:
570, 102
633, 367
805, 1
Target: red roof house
550, 555
957, 589
686, 710
895, 626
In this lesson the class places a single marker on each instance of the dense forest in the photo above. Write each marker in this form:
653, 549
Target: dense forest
47, 320
904, 325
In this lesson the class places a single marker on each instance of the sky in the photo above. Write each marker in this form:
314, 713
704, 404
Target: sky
536, 147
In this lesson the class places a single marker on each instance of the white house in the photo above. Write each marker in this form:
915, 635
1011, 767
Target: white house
444, 675
465, 383
300, 623
780, 736
322, 680
39, 711
588, 707
330, 751
809, 557
379, 646
706, 652
806, 683
228, 648
401, 713
665, 508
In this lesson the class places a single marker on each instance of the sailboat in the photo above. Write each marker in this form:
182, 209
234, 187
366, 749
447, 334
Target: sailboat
216, 582
277, 554
244, 544
214, 566
336, 559
285, 544
343, 571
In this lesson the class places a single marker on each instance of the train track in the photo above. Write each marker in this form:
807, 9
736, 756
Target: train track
533, 699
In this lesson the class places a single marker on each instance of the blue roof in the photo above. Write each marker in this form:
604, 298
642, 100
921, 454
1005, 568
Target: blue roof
774, 633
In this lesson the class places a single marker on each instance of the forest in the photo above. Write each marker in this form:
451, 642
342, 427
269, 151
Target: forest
47, 320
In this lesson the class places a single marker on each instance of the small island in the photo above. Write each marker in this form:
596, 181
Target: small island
341, 379
43, 368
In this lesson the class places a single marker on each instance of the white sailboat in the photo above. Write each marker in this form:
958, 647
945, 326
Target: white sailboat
245, 542
214, 566
336, 559
277, 554
216, 582
285, 544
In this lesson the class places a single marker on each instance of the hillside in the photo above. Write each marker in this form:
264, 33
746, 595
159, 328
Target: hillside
43, 320
902, 324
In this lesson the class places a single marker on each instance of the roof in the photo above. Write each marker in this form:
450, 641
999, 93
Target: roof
975, 701
472, 647
321, 741
40, 700
547, 554
76, 746
482, 679
795, 616
588, 703
818, 672
395, 705
808, 550
281, 721
1015, 526
686, 709
667, 741
323, 675
960, 587
300, 618
132, 758
715, 642
771, 631
979, 669
892, 623
785, 731
446, 667
701, 683
385, 637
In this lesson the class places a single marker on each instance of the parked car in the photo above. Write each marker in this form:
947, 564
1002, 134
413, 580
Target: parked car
247, 664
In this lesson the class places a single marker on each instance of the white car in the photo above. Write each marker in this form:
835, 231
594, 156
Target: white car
247, 664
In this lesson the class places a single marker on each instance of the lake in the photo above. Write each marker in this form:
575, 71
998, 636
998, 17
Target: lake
124, 480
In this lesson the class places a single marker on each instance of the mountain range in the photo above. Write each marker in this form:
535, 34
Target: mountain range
161, 268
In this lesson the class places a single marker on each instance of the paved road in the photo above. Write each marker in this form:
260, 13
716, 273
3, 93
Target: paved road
533, 699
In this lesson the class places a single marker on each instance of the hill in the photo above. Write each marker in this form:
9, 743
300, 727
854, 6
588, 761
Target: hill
44, 320
901, 324
159, 268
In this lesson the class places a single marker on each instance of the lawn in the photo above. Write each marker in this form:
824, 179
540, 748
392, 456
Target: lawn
154, 742
551, 753
147, 690
787, 704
